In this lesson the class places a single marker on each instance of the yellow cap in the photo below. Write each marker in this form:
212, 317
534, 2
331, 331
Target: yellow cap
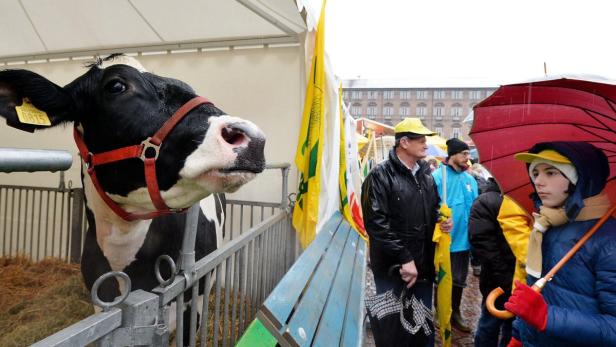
412, 125
547, 154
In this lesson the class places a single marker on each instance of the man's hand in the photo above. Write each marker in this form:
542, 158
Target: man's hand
446, 225
408, 272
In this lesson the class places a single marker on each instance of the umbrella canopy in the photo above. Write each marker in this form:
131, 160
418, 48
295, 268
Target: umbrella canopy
518, 116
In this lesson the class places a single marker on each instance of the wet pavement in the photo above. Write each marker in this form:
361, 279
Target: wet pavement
470, 307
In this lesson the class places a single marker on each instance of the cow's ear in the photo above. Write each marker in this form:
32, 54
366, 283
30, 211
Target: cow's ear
29, 101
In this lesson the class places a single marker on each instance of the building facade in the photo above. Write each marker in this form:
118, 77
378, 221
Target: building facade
443, 110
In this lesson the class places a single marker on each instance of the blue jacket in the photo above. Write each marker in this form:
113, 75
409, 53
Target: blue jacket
461, 192
581, 297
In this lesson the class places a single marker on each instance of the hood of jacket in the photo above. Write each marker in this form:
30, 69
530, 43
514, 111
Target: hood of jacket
592, 168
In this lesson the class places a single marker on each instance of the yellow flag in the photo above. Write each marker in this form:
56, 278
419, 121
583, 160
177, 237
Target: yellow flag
345, 203
442, 264
308, 156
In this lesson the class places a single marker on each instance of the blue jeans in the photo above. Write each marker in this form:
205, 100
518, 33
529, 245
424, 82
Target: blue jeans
488, 329
384, 284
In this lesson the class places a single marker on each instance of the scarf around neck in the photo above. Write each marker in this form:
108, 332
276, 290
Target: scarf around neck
594, 208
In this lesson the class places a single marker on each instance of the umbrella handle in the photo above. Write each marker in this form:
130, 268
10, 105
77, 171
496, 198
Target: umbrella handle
496, 292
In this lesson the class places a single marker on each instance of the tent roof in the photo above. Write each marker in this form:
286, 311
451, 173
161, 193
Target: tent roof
44, 29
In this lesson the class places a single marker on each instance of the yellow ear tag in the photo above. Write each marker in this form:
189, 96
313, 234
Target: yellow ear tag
29, 114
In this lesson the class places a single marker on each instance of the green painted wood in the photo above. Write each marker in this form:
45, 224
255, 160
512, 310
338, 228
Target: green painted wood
330, 327
352, 332
278, 306
256, 335
303, 323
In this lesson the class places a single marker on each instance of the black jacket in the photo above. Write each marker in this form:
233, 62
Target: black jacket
489, 243
400, 211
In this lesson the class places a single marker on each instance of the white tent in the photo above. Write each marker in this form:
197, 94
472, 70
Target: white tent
247, 56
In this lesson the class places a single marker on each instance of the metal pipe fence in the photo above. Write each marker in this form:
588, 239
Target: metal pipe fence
249, 266
223, 290
40, 222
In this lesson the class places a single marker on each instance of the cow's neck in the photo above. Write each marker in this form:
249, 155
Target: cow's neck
183, 194
118, 239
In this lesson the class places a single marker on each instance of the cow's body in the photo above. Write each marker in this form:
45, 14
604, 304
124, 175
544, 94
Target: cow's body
115, 105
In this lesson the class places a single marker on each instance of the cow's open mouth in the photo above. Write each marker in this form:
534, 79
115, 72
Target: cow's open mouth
240, 170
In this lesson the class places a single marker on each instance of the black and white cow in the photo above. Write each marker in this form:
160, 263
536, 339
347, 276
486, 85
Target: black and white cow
132, 183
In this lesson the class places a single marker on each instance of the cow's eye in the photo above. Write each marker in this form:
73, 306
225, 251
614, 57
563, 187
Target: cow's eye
115, 87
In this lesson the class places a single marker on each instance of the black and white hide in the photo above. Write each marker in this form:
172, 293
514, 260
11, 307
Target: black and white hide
115, 104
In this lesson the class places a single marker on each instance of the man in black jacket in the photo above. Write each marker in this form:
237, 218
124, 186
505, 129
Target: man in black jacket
400, 208
497, 264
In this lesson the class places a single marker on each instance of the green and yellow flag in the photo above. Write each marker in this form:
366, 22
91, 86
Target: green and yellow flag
346, 205
308, 156
444, 280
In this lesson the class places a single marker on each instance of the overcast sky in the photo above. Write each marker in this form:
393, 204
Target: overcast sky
493, 41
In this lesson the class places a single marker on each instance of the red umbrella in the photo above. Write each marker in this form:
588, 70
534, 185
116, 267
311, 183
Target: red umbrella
517, 116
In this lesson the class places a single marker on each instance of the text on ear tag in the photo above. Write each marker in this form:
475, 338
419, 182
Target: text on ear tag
29, 114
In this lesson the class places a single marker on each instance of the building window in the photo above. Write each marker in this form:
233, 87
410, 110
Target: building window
388, 94
474, 94
489, 92
405, 94
388, 111
455, 132
439, 130
405, 110
457, 94
373, 94
438, 111
439, 94
356, 110
422, 94
371, 110
456, 112
422, 110
356, 94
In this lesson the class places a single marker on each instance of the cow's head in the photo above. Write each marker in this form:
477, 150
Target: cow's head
115, 104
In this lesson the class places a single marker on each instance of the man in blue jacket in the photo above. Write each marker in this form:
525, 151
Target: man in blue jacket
461, 192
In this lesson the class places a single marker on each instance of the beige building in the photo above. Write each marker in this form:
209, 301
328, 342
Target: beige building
442, 109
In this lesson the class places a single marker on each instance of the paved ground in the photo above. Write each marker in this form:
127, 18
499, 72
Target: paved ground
471, 308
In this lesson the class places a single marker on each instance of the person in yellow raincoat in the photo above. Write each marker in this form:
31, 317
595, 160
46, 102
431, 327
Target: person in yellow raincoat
498, 232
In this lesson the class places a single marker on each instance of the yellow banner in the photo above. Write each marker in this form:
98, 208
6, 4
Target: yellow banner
309, 152
345, 204
444, 281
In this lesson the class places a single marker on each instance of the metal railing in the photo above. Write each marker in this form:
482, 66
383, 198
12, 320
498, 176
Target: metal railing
228, 286
40, 222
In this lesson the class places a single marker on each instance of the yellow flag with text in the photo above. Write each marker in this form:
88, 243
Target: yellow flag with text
308, 155
444, 280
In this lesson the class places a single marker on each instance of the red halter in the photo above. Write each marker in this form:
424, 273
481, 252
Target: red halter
143, 152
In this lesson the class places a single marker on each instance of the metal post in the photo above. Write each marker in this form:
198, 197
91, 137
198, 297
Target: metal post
76, 226
187, 256
284, 203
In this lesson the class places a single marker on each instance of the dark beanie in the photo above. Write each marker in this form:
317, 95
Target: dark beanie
455, 146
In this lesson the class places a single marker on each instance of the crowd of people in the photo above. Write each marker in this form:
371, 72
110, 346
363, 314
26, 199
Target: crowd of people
401, 198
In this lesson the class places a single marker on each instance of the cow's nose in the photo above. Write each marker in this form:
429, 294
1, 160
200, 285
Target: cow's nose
248, 142
239, 134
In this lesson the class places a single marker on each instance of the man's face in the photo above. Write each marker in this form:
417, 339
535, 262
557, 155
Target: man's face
460, 159
414, 147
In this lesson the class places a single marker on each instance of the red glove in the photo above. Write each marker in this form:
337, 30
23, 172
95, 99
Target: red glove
514, 343
528, 305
